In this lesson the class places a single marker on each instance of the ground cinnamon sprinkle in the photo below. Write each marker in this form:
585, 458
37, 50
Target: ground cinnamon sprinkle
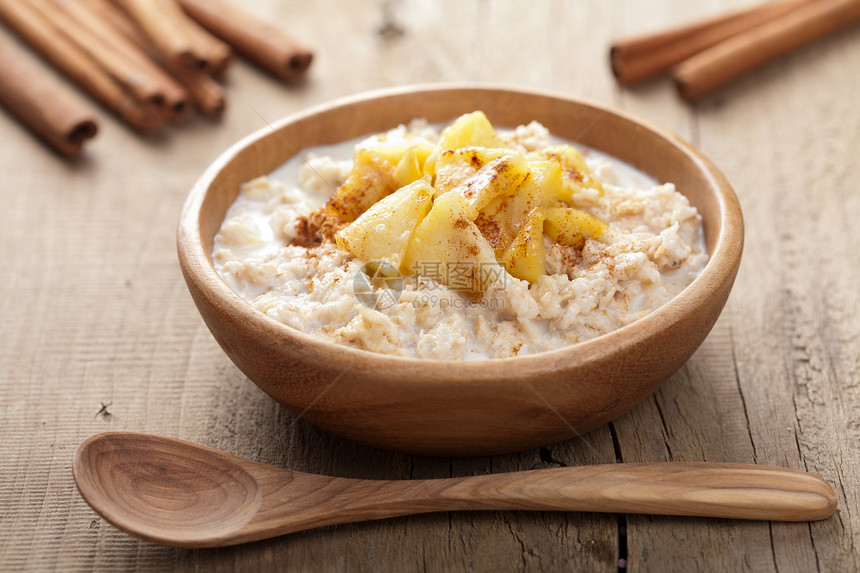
316, 227
350, 206
491, 231
462, 223
570, 257
575, 175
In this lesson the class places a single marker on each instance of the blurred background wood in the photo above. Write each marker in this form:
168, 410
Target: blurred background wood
100, 333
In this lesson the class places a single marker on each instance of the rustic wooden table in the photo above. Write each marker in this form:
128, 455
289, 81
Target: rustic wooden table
99, 332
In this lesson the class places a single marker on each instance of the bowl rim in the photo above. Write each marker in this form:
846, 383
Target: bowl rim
197, 263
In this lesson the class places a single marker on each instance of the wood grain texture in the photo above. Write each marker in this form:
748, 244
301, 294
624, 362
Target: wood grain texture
95, 312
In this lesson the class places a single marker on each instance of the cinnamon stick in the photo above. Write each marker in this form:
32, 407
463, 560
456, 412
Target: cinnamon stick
268, 46
137, 64
637, 59
45, 105
161, 22
718, 65
207, 94
45, 38
118, 19
216, 53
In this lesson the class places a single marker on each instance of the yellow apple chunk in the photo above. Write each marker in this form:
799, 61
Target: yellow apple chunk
455, 166
371, 179
571, 227
408, 168
493, 223
395, 151
544, 186
500, 176
526, 257
577, 175
448, 248
382, 233
469, 130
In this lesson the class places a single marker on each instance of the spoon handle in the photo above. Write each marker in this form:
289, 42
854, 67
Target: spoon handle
694, 489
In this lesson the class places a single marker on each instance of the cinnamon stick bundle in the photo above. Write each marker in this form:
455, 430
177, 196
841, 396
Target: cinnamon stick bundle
637, 59
716, 66
42, 103
46, 38
267, 46
123, 70
206, 93
178, 39
137, 63
145, 60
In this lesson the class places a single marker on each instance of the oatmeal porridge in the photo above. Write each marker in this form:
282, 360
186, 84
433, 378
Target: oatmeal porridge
456, 243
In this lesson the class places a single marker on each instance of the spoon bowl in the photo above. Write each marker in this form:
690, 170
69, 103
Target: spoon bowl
168, 489
173, 492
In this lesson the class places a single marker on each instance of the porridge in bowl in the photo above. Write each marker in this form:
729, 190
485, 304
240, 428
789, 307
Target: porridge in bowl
459, 243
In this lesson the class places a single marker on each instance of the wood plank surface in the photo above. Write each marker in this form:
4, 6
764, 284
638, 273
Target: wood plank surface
100, 333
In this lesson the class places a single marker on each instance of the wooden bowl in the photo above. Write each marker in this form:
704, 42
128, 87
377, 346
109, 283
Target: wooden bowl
475, 407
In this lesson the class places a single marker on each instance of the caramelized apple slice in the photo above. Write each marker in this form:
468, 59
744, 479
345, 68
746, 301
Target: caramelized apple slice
448, 248
371, 179
572, 227
526, 257
382, 233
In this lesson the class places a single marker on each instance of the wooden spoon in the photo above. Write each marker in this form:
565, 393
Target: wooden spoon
173, 492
